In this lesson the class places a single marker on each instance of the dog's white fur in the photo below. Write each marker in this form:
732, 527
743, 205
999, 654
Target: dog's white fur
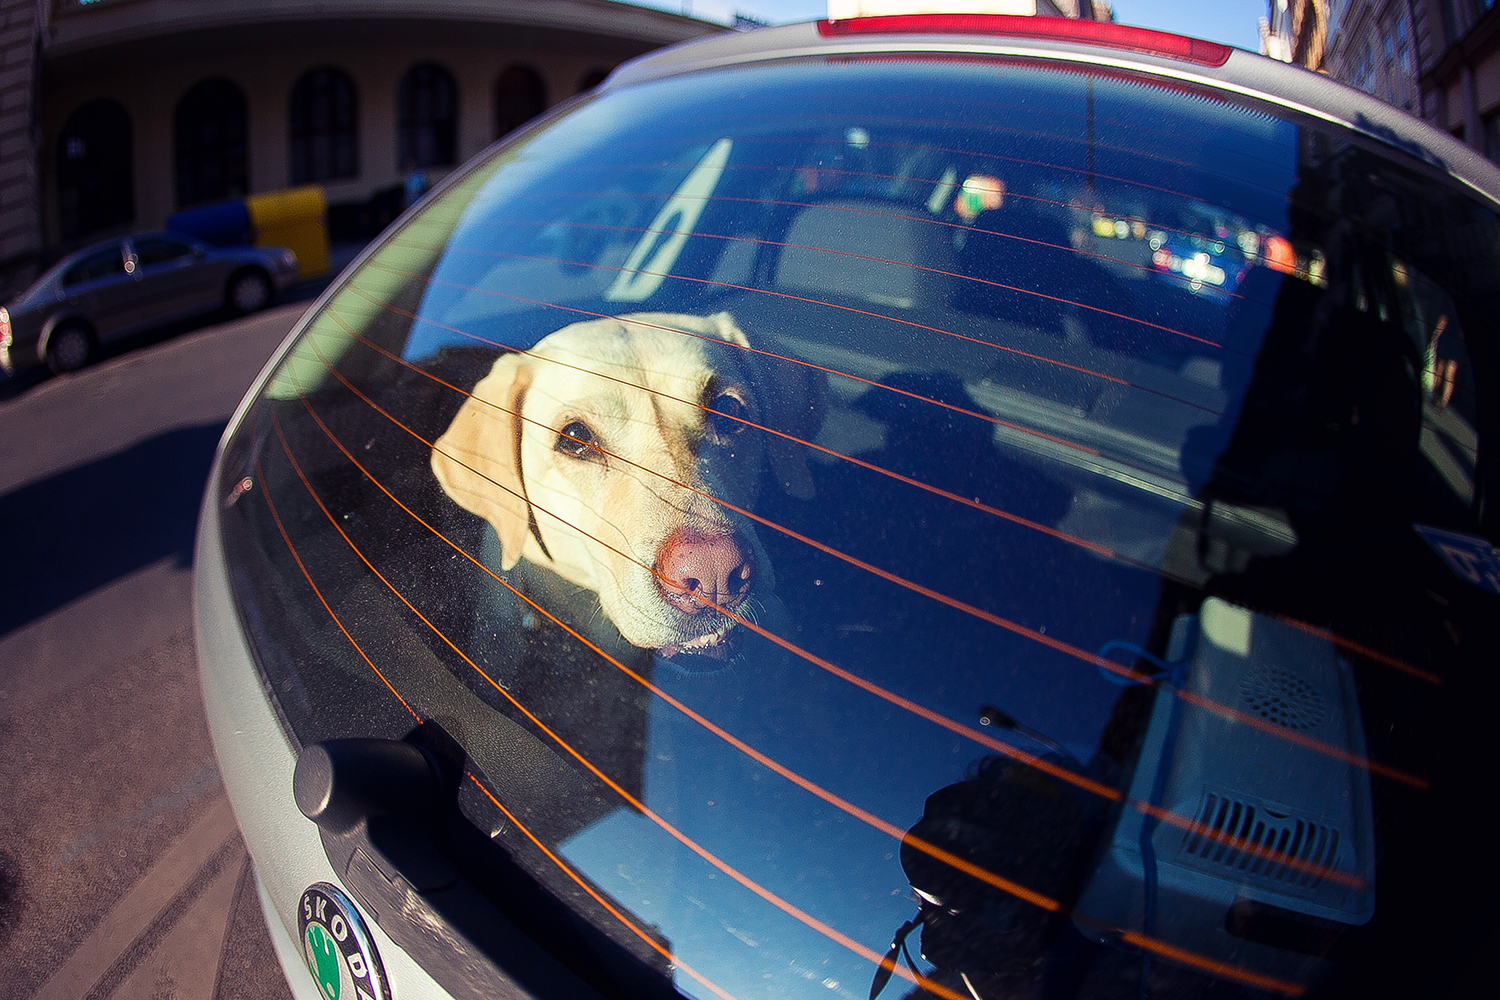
638, 384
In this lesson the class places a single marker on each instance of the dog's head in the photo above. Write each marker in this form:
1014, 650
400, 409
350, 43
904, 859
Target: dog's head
595, 455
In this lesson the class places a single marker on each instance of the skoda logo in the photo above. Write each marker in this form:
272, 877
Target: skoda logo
337, 948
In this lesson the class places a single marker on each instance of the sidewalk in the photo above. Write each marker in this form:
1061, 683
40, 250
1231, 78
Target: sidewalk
190, 928
122, 874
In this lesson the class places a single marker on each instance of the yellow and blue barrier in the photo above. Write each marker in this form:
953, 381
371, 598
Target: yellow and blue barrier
294, 217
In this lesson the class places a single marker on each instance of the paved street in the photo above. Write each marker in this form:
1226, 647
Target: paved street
121, 871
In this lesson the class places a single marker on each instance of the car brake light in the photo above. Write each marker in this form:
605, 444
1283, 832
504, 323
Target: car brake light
4, 327
1105, 33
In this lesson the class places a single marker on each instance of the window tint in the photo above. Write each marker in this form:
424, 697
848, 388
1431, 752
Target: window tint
888, 491
102, 264
157, 250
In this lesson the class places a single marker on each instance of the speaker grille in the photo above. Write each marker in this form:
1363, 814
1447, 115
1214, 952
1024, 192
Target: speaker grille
1282, 697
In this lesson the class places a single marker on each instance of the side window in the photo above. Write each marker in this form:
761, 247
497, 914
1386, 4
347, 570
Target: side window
94, 266
157, 250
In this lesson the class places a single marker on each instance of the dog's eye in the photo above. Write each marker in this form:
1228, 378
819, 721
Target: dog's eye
576, 440
727, 422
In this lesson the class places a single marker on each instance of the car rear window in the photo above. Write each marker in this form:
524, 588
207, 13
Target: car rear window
823, 494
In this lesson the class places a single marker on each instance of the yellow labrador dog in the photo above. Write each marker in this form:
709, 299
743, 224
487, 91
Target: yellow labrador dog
595, 455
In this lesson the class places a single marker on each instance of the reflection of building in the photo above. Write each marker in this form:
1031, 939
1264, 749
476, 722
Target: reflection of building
1297, 31
1461, 78
1373, 45
1439, 59
116, 113
1087, 10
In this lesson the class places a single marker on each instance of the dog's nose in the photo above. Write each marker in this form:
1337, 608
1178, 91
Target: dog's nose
697, 569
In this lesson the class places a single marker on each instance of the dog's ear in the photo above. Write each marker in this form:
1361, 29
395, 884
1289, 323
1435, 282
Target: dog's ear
478, 459
793, 399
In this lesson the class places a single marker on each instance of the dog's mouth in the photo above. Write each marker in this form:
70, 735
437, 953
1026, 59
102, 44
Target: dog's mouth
715, 644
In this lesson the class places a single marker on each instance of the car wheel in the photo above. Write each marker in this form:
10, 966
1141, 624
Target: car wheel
249, 291
68, 349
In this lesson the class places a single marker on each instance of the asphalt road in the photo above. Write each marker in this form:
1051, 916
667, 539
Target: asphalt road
121, 871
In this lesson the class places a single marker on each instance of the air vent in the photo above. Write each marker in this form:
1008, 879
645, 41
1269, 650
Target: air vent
1256, 841
1282, 697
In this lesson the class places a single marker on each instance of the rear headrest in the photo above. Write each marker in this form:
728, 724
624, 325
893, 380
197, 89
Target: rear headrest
830, 246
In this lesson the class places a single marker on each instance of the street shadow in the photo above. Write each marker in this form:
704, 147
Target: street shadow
13, 385
78, 530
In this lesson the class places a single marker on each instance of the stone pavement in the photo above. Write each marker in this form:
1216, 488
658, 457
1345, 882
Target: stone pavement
122, 874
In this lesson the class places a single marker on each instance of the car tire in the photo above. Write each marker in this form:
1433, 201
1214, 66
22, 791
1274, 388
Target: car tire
249, 291
69, 348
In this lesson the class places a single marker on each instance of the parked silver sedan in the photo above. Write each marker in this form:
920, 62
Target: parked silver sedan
124, 285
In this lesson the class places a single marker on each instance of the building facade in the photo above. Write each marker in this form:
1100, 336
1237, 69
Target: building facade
20, 208
116, 113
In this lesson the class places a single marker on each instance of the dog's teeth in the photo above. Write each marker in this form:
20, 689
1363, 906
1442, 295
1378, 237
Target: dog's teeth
710, 639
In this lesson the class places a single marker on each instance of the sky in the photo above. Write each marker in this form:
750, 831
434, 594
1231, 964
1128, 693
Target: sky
1230, 21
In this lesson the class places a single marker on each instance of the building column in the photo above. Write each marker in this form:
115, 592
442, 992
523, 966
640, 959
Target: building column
20, 212
1473, 133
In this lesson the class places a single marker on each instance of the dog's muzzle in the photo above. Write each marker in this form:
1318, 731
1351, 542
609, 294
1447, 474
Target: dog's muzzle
705, 573
703, 570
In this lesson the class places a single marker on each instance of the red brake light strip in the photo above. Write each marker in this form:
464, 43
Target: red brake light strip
1104, 33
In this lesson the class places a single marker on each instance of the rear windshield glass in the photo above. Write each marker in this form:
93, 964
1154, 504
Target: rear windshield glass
1044, 506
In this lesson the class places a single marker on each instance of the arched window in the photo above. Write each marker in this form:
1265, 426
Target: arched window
592, 79
208, 136
427, 106
520, 95
95, 174
321, 115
